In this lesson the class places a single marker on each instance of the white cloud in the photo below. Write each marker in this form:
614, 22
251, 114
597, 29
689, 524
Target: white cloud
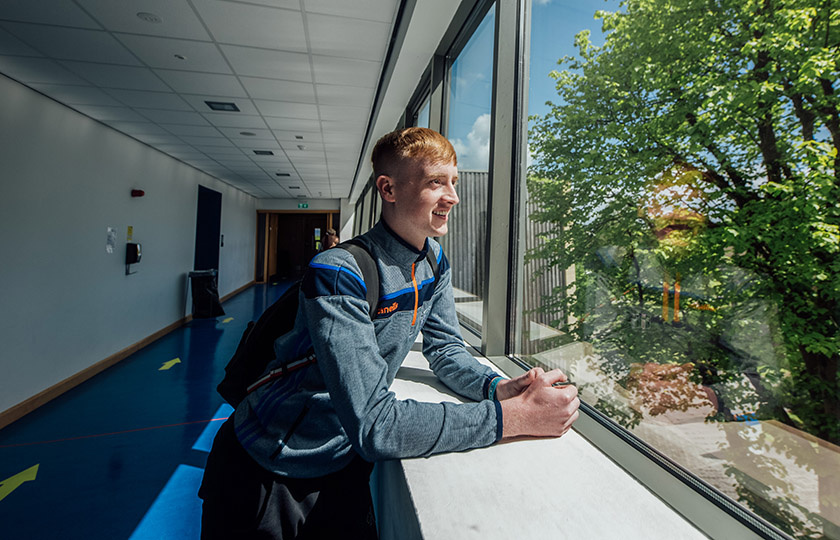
474, 153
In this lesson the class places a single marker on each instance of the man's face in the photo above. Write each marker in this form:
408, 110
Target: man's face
424, 194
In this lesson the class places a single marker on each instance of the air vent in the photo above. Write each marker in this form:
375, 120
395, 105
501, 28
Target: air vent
149, 17
294, 187
222, 106
299, 137
301, 147
248, 133
264, 152
283, 174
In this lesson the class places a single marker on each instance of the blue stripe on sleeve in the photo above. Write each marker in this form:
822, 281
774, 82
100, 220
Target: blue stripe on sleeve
341, 269
329, 280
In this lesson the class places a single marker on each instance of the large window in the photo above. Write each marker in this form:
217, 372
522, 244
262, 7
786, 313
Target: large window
470, 86
682, 236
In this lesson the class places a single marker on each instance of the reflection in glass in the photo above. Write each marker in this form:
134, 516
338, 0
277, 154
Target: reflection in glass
469, 104
423, 114
683, 189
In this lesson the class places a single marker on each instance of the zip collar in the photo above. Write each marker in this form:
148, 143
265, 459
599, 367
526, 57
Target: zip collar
418, 254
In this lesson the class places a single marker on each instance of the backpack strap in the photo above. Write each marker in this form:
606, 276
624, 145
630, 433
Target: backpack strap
430, 256
370, 272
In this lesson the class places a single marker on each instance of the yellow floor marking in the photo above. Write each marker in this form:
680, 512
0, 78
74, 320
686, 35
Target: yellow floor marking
167, 365
227, 320
13, 482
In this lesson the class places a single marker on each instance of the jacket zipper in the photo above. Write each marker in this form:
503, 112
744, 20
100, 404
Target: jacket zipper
416, 295
291, 431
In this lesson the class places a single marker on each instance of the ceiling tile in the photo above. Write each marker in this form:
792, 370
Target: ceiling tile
150, 100
289, 4
286, 109
38, 70
190, 82
250, 61
11, 45
350, 96
333, 36
77, 95
253, 26
235, 120
174, 117
177, 18
279, 90
199, 131
176, 148
356, 129
292, 124
346, 71
298, 136
235, 134
205, 142
218, 150
374, 10
73, 43
159, 52
110, 76
139, 128
106, 114
156, 140
340, 113
311, 148
199, 103
46, 12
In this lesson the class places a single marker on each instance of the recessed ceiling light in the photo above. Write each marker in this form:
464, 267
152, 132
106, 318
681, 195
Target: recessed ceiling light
180, 57
248, 133
299, 137
294, 187
149, 17
222, 106
301, 147
264, 152
283, 174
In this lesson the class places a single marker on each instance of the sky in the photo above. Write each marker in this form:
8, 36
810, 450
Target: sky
554, 24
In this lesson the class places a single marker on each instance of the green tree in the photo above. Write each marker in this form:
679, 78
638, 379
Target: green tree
742, 97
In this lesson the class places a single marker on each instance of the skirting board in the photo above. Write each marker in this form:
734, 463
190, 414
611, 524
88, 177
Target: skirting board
22, 409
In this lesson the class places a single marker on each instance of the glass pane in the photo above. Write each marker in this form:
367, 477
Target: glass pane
423, 115
360, 213
470, 93
683, 236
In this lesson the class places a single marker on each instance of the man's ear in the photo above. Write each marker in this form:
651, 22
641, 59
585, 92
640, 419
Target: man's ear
385, 186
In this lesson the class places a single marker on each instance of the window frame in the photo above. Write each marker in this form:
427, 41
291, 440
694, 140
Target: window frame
711, 511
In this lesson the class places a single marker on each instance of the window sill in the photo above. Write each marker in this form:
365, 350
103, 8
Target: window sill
564, 488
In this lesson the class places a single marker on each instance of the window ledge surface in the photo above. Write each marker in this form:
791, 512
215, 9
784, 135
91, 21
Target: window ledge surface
545, 488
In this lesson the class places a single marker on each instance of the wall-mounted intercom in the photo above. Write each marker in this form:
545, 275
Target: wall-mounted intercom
132, 256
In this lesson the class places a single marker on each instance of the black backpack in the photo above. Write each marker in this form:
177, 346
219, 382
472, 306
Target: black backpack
256, 347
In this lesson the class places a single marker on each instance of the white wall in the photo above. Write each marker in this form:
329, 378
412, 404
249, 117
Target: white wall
292, 204
66, 303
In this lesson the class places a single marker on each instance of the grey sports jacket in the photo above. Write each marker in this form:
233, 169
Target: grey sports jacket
312, 421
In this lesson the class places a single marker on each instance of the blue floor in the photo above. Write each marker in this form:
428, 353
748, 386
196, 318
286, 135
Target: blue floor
121, 455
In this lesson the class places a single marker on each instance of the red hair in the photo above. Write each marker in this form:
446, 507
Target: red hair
410, 143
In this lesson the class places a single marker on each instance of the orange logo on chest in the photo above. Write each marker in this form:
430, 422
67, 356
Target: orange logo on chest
388, 309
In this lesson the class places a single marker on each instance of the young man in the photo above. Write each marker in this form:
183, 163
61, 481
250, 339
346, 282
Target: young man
295, 458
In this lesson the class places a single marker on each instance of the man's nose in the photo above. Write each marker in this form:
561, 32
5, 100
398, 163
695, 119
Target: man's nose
452, 195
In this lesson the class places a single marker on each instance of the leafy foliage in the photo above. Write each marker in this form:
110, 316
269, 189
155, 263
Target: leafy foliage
703, 140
